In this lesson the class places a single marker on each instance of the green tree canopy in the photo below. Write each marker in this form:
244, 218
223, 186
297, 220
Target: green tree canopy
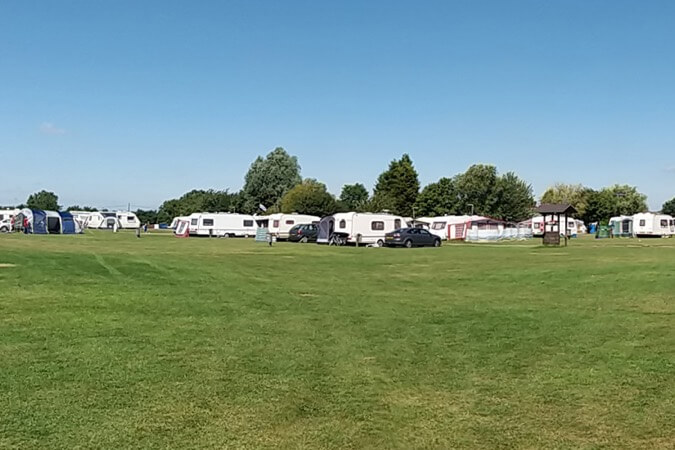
198, 200
613, 201
43, 200
397, 187
354, 197
477, 186
576, 195
309, 197
147, 216
669, 207
514, 199
81, 208
269, 179
438, 199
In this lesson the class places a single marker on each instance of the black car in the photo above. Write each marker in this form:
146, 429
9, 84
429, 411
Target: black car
411, 237
303, 233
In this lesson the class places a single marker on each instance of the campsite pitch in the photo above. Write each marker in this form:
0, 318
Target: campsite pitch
109, 341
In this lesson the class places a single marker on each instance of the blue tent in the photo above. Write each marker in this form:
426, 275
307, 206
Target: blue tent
67, 223
39, 221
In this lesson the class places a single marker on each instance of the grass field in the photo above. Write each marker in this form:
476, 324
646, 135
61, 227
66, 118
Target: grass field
108, 341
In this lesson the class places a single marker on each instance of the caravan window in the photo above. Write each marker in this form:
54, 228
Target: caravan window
438, 226
193, 221
275, 224
131, 218
248, 223
377, 226
642, 222
664, 223
207, 222
342, 224
290, 222
397, 223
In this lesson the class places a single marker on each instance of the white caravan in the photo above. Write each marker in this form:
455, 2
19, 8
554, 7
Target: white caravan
441, 225
222, 225
279, 225
127, 219
177, 220
572, 226
653, 225
102, 220
353, 227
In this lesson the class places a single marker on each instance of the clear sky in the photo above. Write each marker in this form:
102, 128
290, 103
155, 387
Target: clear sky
110, 102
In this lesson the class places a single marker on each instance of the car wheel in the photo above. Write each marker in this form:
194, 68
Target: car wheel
304, 240
437, 243
4, 230
408, 244
380, 243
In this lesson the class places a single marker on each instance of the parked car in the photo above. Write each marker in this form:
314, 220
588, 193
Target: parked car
303, 233
411, 237
5, 226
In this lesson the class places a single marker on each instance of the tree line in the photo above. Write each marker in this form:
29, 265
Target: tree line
274, 184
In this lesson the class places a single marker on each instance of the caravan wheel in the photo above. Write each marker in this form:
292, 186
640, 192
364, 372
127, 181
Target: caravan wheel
380, 243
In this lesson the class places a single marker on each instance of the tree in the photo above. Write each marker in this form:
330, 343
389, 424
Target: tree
147, 216
477, 187
198, 200
669, 207
613, 201
269, 179
81, 208
354, 197
309, 197
397, 187
514, 198
576, 195
43, 200
438, 199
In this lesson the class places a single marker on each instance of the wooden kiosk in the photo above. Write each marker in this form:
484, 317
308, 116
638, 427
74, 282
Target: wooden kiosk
552, 213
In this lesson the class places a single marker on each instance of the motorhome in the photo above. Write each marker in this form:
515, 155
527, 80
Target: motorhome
222, 225
653, 225
354, 227
278, 225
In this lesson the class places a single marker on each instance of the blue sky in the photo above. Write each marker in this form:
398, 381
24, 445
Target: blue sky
112, 102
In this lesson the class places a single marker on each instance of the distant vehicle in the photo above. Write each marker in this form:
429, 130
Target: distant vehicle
653, 225
357, 228
222, 225
279, 225
303, 233
5, 225
411, 237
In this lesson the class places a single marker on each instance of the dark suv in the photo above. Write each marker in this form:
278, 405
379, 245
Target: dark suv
303, 233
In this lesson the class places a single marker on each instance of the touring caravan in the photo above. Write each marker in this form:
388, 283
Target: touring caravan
653, 225
353, 227
127, 219
222, 225
572, 227
278, 225
177, 220
102, 220
622, 226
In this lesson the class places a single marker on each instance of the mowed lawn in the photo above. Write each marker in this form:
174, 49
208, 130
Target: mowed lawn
108, 341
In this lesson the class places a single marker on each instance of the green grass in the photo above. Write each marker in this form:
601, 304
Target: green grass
108, 341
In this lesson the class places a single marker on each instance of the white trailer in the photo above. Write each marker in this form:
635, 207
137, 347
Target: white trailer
102, 220
362, 228
222, 225
127, 219
653, 225
177, 220
278, 225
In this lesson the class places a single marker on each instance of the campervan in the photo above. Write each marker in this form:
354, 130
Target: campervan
353, 227
653, 225
278, 225
222, 225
